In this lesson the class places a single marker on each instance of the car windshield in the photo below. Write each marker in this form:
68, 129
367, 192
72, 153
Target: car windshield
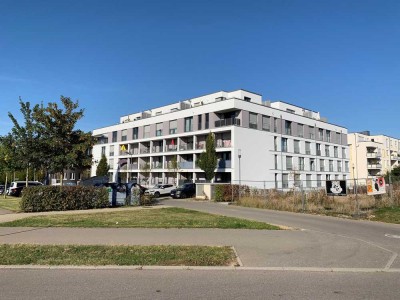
157, 186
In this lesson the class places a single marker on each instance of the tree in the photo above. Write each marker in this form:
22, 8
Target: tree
63, 147
8, 156
146, 170
173, 166
394, 175
26, 138
103, 167
208, 160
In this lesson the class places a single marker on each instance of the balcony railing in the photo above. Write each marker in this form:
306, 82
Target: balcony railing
186, 165
156, 165
223, 144
170, 148
373, 155
223, 164
201, 145
227, 122
157, 149
374, 166
144, 150
184, 147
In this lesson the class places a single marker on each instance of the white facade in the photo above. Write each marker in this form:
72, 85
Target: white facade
280, 144
372, 155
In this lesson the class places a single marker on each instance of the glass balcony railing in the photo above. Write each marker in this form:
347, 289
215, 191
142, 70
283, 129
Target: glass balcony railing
227, 122
186, 165
223, 164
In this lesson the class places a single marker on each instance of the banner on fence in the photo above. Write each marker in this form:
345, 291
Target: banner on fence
376, 186
336, 188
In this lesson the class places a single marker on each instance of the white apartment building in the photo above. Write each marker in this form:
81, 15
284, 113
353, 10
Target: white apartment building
372, 155
280, 145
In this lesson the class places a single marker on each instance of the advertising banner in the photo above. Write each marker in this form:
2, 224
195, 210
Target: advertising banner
376, 186
336, 188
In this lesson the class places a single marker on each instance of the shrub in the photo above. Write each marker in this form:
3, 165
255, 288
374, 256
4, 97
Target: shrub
49, 198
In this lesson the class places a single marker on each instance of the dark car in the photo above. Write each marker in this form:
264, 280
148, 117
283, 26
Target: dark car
2, 189
186, 190
17, 186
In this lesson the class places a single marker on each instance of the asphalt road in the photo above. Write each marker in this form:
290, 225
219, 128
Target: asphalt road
190, 284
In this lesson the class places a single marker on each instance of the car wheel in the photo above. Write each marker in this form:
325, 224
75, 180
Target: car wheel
183, 195
156, 194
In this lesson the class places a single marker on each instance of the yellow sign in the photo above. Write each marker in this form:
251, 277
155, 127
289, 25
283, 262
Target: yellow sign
123, 148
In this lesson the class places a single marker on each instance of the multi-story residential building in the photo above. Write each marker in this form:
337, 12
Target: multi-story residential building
372, 155
272, 145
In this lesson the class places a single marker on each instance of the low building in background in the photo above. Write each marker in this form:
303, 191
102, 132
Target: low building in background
258, 143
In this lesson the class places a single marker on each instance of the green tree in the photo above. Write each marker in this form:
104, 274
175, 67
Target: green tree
26, 138
208, 159
8, 157
394, 175
63, 146
145, 171
102, 167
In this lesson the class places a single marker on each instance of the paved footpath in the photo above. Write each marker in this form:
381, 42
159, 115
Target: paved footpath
318, 242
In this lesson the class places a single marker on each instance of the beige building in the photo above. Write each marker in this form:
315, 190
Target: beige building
372, 155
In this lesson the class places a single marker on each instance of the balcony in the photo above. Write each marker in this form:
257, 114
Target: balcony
201, 145
227, 122
184, 147
223, 164
171, 148
374, 166
373, 155
144, 150
157, 149
223, 144
186, 165
156, 165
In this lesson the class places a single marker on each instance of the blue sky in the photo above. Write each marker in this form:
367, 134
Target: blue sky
341, 58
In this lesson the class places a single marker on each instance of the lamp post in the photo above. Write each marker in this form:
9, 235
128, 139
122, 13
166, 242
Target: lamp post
240, 177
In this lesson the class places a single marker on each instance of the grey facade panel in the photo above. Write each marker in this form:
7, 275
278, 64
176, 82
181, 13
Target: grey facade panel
245, 118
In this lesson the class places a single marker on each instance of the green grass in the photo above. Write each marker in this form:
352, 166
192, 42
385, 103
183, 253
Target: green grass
10, 203
388, 215
116, 255
147, 218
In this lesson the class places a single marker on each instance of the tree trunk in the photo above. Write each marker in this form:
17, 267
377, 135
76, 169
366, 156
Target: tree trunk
5, 187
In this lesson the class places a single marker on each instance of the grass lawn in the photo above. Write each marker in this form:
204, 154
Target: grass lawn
388, 215
116, 255
10, 203
147, 218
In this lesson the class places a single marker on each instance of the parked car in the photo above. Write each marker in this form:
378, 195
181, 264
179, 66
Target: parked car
160, 190
2, 189
186, 190
16, 187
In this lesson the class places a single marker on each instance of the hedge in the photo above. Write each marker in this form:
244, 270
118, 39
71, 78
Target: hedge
54, 198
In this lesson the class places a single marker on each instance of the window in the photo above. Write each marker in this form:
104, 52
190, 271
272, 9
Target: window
327, 154
111, 163
288, 127
328, 136
114, 136
103, 150
335, 152
318, 149
284, 145
173, 127
319, 180
331, 166
146, 132
159, 127
301, 163
188, 124
339, 166
297, 180
285, 181
296, 146
124, 134
338, 138
289, 161
320, 134
206, 125
308, 180
311, 132
199, 119
312, 164
300, 130
290, 110
253, 121
321, 165
275, 125
308, 148
265, 123
72, 176
343, 152
112, 150
276, 161
275, 143
247, 99
135, 133
346, 166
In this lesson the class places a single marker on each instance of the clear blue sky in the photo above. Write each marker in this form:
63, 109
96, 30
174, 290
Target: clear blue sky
341, 58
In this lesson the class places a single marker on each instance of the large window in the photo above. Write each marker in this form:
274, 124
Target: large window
289, 163
327, 153
135, 133
288, 127
103, 150
318, 149
265, 123
320, 134
284, 147
335, 152
321, 165
285, 181
112, 150
275, 125
173, 127
159, 127
311, 132
301, 163
200, 121
124, 134
308, 148
296, 146
328, 136
188, 124
253, 121
114, 136
312, 164
300, 130
207, 124
146, 132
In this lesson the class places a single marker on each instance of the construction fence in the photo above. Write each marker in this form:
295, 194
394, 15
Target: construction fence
303, 196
